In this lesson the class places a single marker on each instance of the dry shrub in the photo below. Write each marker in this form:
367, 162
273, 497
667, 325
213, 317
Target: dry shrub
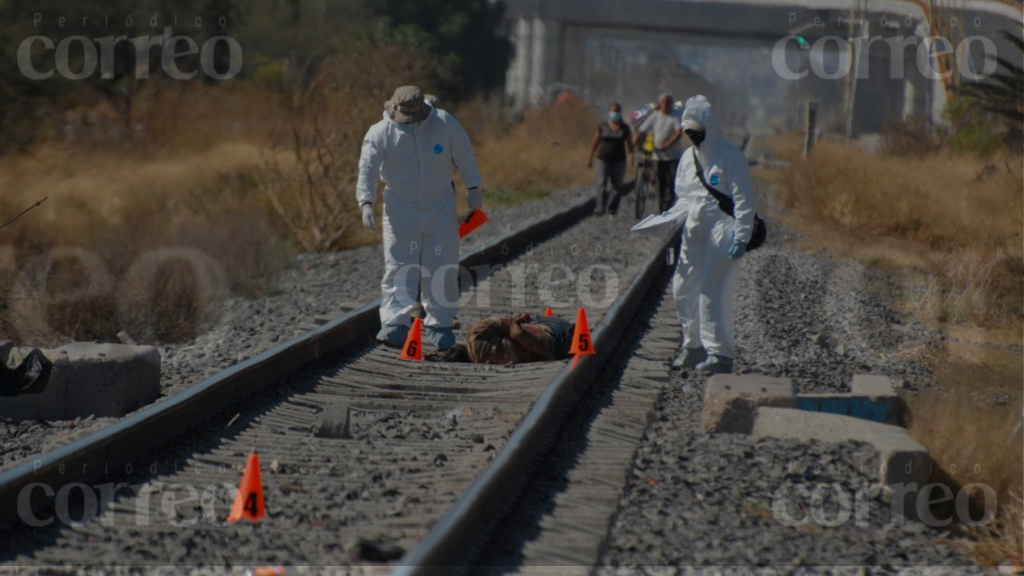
302, 176
913, 137
171, 294
947, 216
7, 328
309, 169
245, 243
177, 119
1002, 541
545, 151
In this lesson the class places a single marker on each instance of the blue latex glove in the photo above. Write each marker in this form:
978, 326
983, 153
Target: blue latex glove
737, 250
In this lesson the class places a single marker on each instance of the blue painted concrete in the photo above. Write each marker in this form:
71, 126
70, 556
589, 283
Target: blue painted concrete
876, 410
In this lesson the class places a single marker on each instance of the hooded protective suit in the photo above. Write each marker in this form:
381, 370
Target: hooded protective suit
705, 278
421, 238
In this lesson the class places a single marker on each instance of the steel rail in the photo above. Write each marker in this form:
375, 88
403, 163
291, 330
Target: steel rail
451, 544
33, 483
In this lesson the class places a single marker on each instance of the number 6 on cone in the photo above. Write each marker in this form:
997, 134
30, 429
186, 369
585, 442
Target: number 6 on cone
413, 348
582, 343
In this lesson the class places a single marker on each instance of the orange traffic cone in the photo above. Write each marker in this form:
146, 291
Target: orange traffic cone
548, 312
582, 344
413, 348
474, 220
249, 498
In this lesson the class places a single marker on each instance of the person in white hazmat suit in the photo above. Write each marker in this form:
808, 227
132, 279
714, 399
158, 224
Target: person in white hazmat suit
414, 150
712, 241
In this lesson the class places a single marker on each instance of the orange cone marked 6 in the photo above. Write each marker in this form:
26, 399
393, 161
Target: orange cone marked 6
582, 344
249, 498
413, 348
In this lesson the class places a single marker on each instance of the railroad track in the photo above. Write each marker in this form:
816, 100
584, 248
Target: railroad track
431, 453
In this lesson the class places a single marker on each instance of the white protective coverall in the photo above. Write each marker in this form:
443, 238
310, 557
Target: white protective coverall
705, 278
421, 238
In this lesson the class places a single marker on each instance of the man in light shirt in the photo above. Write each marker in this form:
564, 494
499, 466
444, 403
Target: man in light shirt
664, 126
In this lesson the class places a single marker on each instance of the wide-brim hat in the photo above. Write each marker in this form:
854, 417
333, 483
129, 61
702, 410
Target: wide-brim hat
407, 106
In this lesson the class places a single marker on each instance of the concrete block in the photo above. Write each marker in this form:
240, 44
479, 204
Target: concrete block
731, 402
903, 461
92, 380
873, 386
333, 422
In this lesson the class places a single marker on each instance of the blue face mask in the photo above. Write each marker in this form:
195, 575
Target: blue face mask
615, 117
407, 128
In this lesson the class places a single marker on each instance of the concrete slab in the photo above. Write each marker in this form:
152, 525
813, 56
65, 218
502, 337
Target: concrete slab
92, 380
731, 402
903, 461
873, 386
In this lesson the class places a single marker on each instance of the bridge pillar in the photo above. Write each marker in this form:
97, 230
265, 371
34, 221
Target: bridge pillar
517, 79
538, 59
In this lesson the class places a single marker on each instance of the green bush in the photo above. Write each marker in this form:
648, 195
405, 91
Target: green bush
972, 130
977, 137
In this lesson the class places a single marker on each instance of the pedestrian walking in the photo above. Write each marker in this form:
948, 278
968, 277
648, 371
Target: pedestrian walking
612, 146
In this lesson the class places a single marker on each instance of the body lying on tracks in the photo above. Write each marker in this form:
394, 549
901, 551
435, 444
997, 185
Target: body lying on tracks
518, 340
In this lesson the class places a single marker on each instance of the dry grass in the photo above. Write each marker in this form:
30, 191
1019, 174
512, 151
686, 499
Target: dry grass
968, 428
957, 219
546, 151
949, 228
111, 210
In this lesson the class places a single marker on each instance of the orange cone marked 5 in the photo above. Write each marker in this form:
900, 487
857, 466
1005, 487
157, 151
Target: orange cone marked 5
474, 220
413, 348
249, 498
582, 344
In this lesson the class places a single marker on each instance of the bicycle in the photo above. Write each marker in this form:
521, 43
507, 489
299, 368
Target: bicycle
646, 180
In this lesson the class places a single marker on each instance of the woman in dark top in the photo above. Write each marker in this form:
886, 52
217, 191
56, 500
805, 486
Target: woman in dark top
613, 142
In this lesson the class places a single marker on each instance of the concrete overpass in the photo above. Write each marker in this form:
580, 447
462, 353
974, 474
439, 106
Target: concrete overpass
550, 38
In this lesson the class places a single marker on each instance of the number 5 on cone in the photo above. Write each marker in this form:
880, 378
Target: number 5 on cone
582, 343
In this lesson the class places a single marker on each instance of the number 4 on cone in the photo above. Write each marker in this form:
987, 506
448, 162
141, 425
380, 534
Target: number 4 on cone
249, 498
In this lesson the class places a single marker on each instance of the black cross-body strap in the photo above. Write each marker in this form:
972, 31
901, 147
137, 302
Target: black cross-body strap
724, 202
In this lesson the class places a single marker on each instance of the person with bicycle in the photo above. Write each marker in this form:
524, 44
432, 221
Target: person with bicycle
612, 145
664, 126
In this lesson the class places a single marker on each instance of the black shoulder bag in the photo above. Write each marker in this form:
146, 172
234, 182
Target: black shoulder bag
759, 232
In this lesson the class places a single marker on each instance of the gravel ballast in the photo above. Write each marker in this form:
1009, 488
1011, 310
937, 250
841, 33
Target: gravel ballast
727, 500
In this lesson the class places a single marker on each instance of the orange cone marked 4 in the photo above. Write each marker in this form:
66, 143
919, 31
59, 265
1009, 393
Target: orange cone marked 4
582, 344
249, 498
413, 347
